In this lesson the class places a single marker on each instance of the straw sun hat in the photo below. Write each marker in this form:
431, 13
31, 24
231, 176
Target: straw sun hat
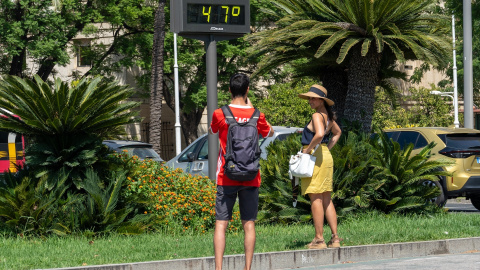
317, 91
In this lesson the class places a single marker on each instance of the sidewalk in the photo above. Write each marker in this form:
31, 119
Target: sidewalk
308, 258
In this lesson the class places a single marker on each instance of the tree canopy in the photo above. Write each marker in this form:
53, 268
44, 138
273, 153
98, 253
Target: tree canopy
353, 37
45, 30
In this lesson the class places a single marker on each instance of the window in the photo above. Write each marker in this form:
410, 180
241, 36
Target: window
463, 140
184, 157
282, 137
407, 137
421, 142
84, 53
203, 153
192, 149
393, 135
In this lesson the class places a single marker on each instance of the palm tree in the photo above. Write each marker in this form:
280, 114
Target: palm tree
156, 82
354, 36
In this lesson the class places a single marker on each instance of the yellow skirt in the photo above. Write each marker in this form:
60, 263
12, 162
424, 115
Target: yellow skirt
322, 178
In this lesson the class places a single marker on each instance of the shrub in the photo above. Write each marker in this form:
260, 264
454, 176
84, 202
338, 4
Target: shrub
104, 210
29, 206
425, 109
275, 202
181, 202
400, 176
369, 174
353, 173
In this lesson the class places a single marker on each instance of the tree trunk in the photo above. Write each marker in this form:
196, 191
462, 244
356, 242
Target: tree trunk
46, 68
335, 81
16, 66
156, 83
362, 80
190, 122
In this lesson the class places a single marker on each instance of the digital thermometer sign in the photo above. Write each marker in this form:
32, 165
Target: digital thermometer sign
218, 17
215, 14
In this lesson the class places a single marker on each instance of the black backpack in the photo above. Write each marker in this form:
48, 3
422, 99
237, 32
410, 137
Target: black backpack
242, 150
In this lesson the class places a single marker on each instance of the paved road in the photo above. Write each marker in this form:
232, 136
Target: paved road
455, 205
469, 261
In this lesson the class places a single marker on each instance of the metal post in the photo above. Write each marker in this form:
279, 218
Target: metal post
467, 64
178, 140
455, 89
212, 104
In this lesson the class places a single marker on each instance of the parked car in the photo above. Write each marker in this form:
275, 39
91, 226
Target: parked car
194, 159
134, 148
460, 145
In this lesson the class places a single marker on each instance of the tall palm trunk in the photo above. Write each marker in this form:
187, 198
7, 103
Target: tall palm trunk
156, 82
335, 81
362, 80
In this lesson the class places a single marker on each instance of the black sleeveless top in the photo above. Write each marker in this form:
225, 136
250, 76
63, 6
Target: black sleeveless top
307, 134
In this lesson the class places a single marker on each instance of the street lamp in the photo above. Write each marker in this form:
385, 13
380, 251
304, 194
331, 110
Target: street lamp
455, 91
455, 104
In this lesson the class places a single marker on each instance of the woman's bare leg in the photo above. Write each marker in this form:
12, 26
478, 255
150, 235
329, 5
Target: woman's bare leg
330, 213
318, 214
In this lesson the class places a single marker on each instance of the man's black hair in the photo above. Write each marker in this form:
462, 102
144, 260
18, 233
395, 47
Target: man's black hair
239, 84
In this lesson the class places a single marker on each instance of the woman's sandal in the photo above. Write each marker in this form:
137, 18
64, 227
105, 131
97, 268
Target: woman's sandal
317, 244
335, 241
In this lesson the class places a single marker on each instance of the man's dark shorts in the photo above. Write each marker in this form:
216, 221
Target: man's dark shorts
226, 197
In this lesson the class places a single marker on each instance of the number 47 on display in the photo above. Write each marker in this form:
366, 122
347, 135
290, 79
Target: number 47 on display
207, 10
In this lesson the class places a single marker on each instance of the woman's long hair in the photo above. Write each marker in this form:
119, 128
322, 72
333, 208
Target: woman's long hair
330, 113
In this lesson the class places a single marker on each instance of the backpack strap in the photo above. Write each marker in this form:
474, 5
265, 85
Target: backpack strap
228, 115
231, 119
255, 116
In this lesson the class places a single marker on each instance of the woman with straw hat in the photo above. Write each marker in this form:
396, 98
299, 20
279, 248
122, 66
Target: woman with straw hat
320, 186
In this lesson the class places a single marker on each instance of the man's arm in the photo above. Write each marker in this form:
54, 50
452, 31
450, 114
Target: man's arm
213, 124
270, 134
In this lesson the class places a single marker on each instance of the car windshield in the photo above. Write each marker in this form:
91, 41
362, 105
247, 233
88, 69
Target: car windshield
141, 152
465, 140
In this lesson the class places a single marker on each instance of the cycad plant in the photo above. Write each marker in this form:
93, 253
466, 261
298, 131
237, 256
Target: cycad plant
402, 175
354, 182
28, 206
371, 172
276, 202
105, 210
64, 124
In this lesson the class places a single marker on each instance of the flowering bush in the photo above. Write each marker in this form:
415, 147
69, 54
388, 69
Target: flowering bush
181, 202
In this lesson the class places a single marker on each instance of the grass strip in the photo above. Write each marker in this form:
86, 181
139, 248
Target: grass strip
372, 228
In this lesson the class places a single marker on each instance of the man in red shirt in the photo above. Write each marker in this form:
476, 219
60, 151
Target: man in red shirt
227, 189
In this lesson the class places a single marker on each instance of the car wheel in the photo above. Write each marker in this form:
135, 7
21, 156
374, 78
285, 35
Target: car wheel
441, 199
475, 201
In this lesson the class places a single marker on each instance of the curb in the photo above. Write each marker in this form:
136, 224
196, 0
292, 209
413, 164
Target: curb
308, 258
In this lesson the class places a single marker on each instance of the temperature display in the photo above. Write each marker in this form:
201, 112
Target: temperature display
216, 14
225, 19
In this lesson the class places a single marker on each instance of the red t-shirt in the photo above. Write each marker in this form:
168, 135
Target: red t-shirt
219, 124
